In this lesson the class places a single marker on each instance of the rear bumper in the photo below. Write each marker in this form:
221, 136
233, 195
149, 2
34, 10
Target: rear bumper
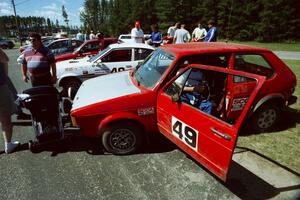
292, 100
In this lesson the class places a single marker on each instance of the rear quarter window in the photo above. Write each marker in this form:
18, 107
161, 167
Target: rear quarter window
252, 63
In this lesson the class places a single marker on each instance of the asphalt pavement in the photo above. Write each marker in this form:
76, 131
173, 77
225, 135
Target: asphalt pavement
77, 168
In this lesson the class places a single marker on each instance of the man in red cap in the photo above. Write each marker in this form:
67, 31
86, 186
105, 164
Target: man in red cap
137, 33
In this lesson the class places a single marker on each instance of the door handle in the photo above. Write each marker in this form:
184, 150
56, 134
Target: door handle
225, 136
128, 66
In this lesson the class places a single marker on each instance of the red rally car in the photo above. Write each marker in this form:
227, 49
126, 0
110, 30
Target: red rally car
198, 95
88, 48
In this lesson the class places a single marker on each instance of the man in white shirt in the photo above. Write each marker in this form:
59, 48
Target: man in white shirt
92, 35
181, 35
199, 33
137, 33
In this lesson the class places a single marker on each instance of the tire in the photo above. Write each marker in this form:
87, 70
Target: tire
265, 118
123, 138
70, 83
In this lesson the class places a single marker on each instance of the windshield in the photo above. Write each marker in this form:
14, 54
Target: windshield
95, 57
151, 71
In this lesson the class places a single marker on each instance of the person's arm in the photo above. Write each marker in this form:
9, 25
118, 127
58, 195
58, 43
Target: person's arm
174, 38
199, 88
24, 72
203, 35
211, 35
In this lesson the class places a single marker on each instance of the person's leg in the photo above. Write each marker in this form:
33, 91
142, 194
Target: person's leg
6, 129
7, 134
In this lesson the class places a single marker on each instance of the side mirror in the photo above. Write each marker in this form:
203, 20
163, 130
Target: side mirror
175, 98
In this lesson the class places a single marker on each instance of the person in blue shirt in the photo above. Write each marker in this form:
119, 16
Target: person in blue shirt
156, 37
212, 34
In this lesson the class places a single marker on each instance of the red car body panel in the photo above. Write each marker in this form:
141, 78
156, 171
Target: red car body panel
80, 52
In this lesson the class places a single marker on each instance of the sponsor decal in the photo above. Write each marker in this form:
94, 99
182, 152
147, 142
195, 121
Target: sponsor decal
185, 133
239, 103
145, 111
69, 69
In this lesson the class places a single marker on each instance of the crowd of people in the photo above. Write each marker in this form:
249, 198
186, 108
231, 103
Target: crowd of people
177, 34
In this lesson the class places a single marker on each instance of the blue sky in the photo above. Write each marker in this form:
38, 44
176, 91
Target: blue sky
44, 8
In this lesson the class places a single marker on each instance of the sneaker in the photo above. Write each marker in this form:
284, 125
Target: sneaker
23, 116
10, 147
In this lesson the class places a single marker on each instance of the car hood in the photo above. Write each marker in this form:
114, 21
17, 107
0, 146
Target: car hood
74, 63
104, 88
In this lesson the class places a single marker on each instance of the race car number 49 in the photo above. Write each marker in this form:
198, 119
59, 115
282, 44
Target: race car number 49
185, 133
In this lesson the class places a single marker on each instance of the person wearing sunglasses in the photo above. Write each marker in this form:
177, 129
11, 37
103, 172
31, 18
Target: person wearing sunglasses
39, 61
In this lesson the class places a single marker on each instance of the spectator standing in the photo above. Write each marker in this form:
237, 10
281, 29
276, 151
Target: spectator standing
80, 36
172, 29
156, 37
181, 35
212, 34
199, 33
92, 35
137, 33
7, 106
39, 61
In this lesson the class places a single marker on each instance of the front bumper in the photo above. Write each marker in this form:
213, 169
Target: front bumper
292, 100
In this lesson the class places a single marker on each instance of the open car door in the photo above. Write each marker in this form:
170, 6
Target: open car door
189, 113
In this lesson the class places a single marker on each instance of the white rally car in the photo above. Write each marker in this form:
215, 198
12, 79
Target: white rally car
115, 58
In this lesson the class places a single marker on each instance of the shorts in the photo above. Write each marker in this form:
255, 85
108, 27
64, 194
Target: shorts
7, 104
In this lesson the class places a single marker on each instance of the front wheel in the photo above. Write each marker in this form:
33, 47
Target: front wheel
265, 119
123, 138
74, 84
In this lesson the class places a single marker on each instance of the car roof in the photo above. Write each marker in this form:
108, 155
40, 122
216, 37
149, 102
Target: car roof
209, 47
130, 45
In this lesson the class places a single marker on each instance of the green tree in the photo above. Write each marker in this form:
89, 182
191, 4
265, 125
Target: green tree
65, 15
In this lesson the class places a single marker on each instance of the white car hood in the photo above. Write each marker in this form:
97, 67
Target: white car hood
104, 88
74, 63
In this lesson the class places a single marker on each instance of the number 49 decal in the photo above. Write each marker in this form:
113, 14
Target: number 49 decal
185, 133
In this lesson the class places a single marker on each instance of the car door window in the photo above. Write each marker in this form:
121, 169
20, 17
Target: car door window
141, 54
121, 55
93, 46
252, 63
206, 91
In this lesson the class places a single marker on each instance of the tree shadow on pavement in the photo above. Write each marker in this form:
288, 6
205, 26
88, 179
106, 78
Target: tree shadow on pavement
247, 185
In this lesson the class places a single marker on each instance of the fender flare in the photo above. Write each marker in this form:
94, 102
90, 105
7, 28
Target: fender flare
268, 98
68, 75
123, 116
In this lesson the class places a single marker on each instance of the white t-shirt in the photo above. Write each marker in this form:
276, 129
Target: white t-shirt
92, 36
199, 33
137, 35
171, 31
182, 36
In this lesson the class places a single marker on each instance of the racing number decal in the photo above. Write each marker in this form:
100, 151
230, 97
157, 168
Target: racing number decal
186, 134
115, 69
